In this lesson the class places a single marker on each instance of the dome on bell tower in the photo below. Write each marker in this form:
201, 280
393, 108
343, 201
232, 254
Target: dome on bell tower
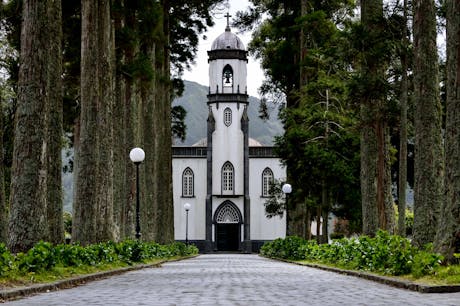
227, 41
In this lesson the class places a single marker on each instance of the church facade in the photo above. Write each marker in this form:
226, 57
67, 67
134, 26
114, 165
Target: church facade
225, 177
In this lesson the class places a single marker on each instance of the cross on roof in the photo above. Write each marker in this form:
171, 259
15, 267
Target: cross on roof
228, 21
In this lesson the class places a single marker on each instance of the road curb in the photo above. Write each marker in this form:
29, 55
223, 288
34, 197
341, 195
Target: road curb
16, 293
390, 281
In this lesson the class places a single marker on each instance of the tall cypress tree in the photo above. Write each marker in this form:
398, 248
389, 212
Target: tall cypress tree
105, 145
87, 157
429, 170
3, 208
372, 131
28, 218
93, 202
54, 126
402, 175
448, 236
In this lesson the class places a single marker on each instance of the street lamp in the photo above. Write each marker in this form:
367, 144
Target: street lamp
187, 208
287, 189
137, 156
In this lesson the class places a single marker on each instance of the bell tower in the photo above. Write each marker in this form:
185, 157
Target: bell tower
227, 141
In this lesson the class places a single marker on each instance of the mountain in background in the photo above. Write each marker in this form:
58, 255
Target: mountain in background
194, 101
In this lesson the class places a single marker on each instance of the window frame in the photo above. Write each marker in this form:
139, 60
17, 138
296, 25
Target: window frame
267, 179
228, 119
228, 178
188, 183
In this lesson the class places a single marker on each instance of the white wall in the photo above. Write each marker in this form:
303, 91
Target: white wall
228, 145
263, 228
196, 221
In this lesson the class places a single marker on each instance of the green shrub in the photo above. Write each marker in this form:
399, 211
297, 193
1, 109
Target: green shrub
392, 255
130, 251
288, 248
6, 260
39, 258
44, 256
425, 263
69, 255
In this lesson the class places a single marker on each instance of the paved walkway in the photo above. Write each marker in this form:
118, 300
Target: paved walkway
235, 279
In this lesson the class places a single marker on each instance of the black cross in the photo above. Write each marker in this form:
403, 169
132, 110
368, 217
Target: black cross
228, 19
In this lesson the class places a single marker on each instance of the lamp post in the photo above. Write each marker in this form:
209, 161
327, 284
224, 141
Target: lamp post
187, 208
137, 156
287, 189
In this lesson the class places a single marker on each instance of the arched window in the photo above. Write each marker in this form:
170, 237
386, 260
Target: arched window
187, 183
227, 116
227, 76
227, 177
267, 179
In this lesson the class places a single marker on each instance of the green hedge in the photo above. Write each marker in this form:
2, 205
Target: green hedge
44, 256
391, 255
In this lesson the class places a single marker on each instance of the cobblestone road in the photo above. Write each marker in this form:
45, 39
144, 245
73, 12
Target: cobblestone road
235, 279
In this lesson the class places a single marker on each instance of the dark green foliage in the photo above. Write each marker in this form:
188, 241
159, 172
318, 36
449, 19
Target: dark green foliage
6, 259
391, 255
70, 255
425, 262
39, 258
44, 256
275, 205
179, 129
289, 248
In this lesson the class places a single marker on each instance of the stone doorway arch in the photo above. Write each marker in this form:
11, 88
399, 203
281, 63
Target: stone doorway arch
227, 222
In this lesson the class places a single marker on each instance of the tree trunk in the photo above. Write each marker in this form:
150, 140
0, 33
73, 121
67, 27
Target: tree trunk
318, 224
3, 207
164, 143
308, 222
372, 164
150, 132
368, 172
93, 205
120, 154
86, 173
303, 46
104, 196
132, 107
27, 222
54, 126
380, 131
388, 196
448, 236
402, 183
157, 207
325, 226
428, 191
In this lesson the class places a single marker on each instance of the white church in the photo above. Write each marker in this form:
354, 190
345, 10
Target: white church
224, 178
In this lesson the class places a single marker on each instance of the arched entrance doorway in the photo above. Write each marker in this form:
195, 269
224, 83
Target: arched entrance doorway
228, 220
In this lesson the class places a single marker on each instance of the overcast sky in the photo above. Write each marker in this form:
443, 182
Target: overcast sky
199, 71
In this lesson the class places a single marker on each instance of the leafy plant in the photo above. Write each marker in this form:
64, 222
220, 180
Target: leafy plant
39, 258
46, 257
6, 260
391, 255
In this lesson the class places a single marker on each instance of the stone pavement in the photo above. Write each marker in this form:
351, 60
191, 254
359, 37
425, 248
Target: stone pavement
235, 279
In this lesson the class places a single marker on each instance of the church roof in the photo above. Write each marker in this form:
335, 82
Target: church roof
227, 41
203, 142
